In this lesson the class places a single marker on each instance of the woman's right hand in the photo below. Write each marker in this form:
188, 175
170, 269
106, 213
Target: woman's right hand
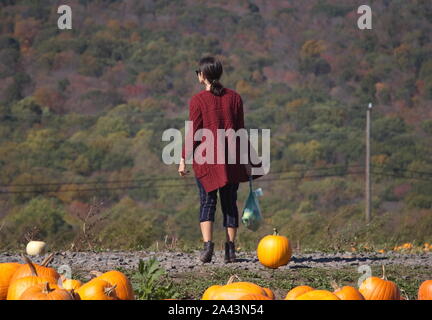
182, 168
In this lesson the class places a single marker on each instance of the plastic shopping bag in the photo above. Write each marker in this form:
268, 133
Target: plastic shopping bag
252, 217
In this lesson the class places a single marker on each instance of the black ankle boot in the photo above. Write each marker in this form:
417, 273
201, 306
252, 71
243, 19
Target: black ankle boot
207, 253
230, 255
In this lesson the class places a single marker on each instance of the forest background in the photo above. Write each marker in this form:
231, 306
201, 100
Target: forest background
82, 113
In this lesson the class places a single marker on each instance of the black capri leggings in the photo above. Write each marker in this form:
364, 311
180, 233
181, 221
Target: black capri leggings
228, 197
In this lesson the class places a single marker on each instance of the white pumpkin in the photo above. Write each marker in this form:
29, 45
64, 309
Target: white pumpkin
35, 248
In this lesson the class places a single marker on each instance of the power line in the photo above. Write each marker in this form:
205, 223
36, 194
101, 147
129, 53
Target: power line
313, 176
90, 182
318, 169
155, 179
151, 179
191, 184
169, 186
400, 177
405, 170
96, 189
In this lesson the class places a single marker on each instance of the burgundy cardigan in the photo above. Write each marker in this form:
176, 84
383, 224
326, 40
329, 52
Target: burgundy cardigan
208, 111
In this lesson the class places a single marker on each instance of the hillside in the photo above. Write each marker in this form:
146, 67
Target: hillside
82, 113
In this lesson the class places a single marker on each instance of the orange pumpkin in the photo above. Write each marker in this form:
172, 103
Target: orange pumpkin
374, 288
269, 293
318, 295
254, 296
43, 291
425, 290
348, 293
18, 287
208, 294
274, 251
123, 287
71, 284
97, 289
236, 290
42, 270
6, 272
298, 291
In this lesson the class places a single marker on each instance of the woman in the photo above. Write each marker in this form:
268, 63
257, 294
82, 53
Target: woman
215, 108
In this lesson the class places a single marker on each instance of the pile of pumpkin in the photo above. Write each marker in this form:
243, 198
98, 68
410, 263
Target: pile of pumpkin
373, 288
30, 281
410, 247
274, 251
403, 248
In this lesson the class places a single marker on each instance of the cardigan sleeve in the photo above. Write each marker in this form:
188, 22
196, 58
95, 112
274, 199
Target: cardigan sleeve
196, 117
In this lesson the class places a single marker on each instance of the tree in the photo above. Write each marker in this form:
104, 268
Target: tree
307, 152
44, 214
311, 60
47, 97
27, 111
130, 225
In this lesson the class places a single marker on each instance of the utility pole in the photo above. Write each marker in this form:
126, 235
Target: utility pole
368, 180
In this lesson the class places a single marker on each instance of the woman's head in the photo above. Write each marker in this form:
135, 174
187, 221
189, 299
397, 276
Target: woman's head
210, 69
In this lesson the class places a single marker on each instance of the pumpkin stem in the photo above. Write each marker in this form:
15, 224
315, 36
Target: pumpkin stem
334, 285
31, 265
275, 232
404, 294
46, 288
231, 279
96, 273
384, 274
47, 260
73, 294
109, 291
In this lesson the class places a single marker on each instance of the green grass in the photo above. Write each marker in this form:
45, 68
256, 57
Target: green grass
156, 283
191, 285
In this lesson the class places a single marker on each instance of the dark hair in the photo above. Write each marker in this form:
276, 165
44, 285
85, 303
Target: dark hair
212, 70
